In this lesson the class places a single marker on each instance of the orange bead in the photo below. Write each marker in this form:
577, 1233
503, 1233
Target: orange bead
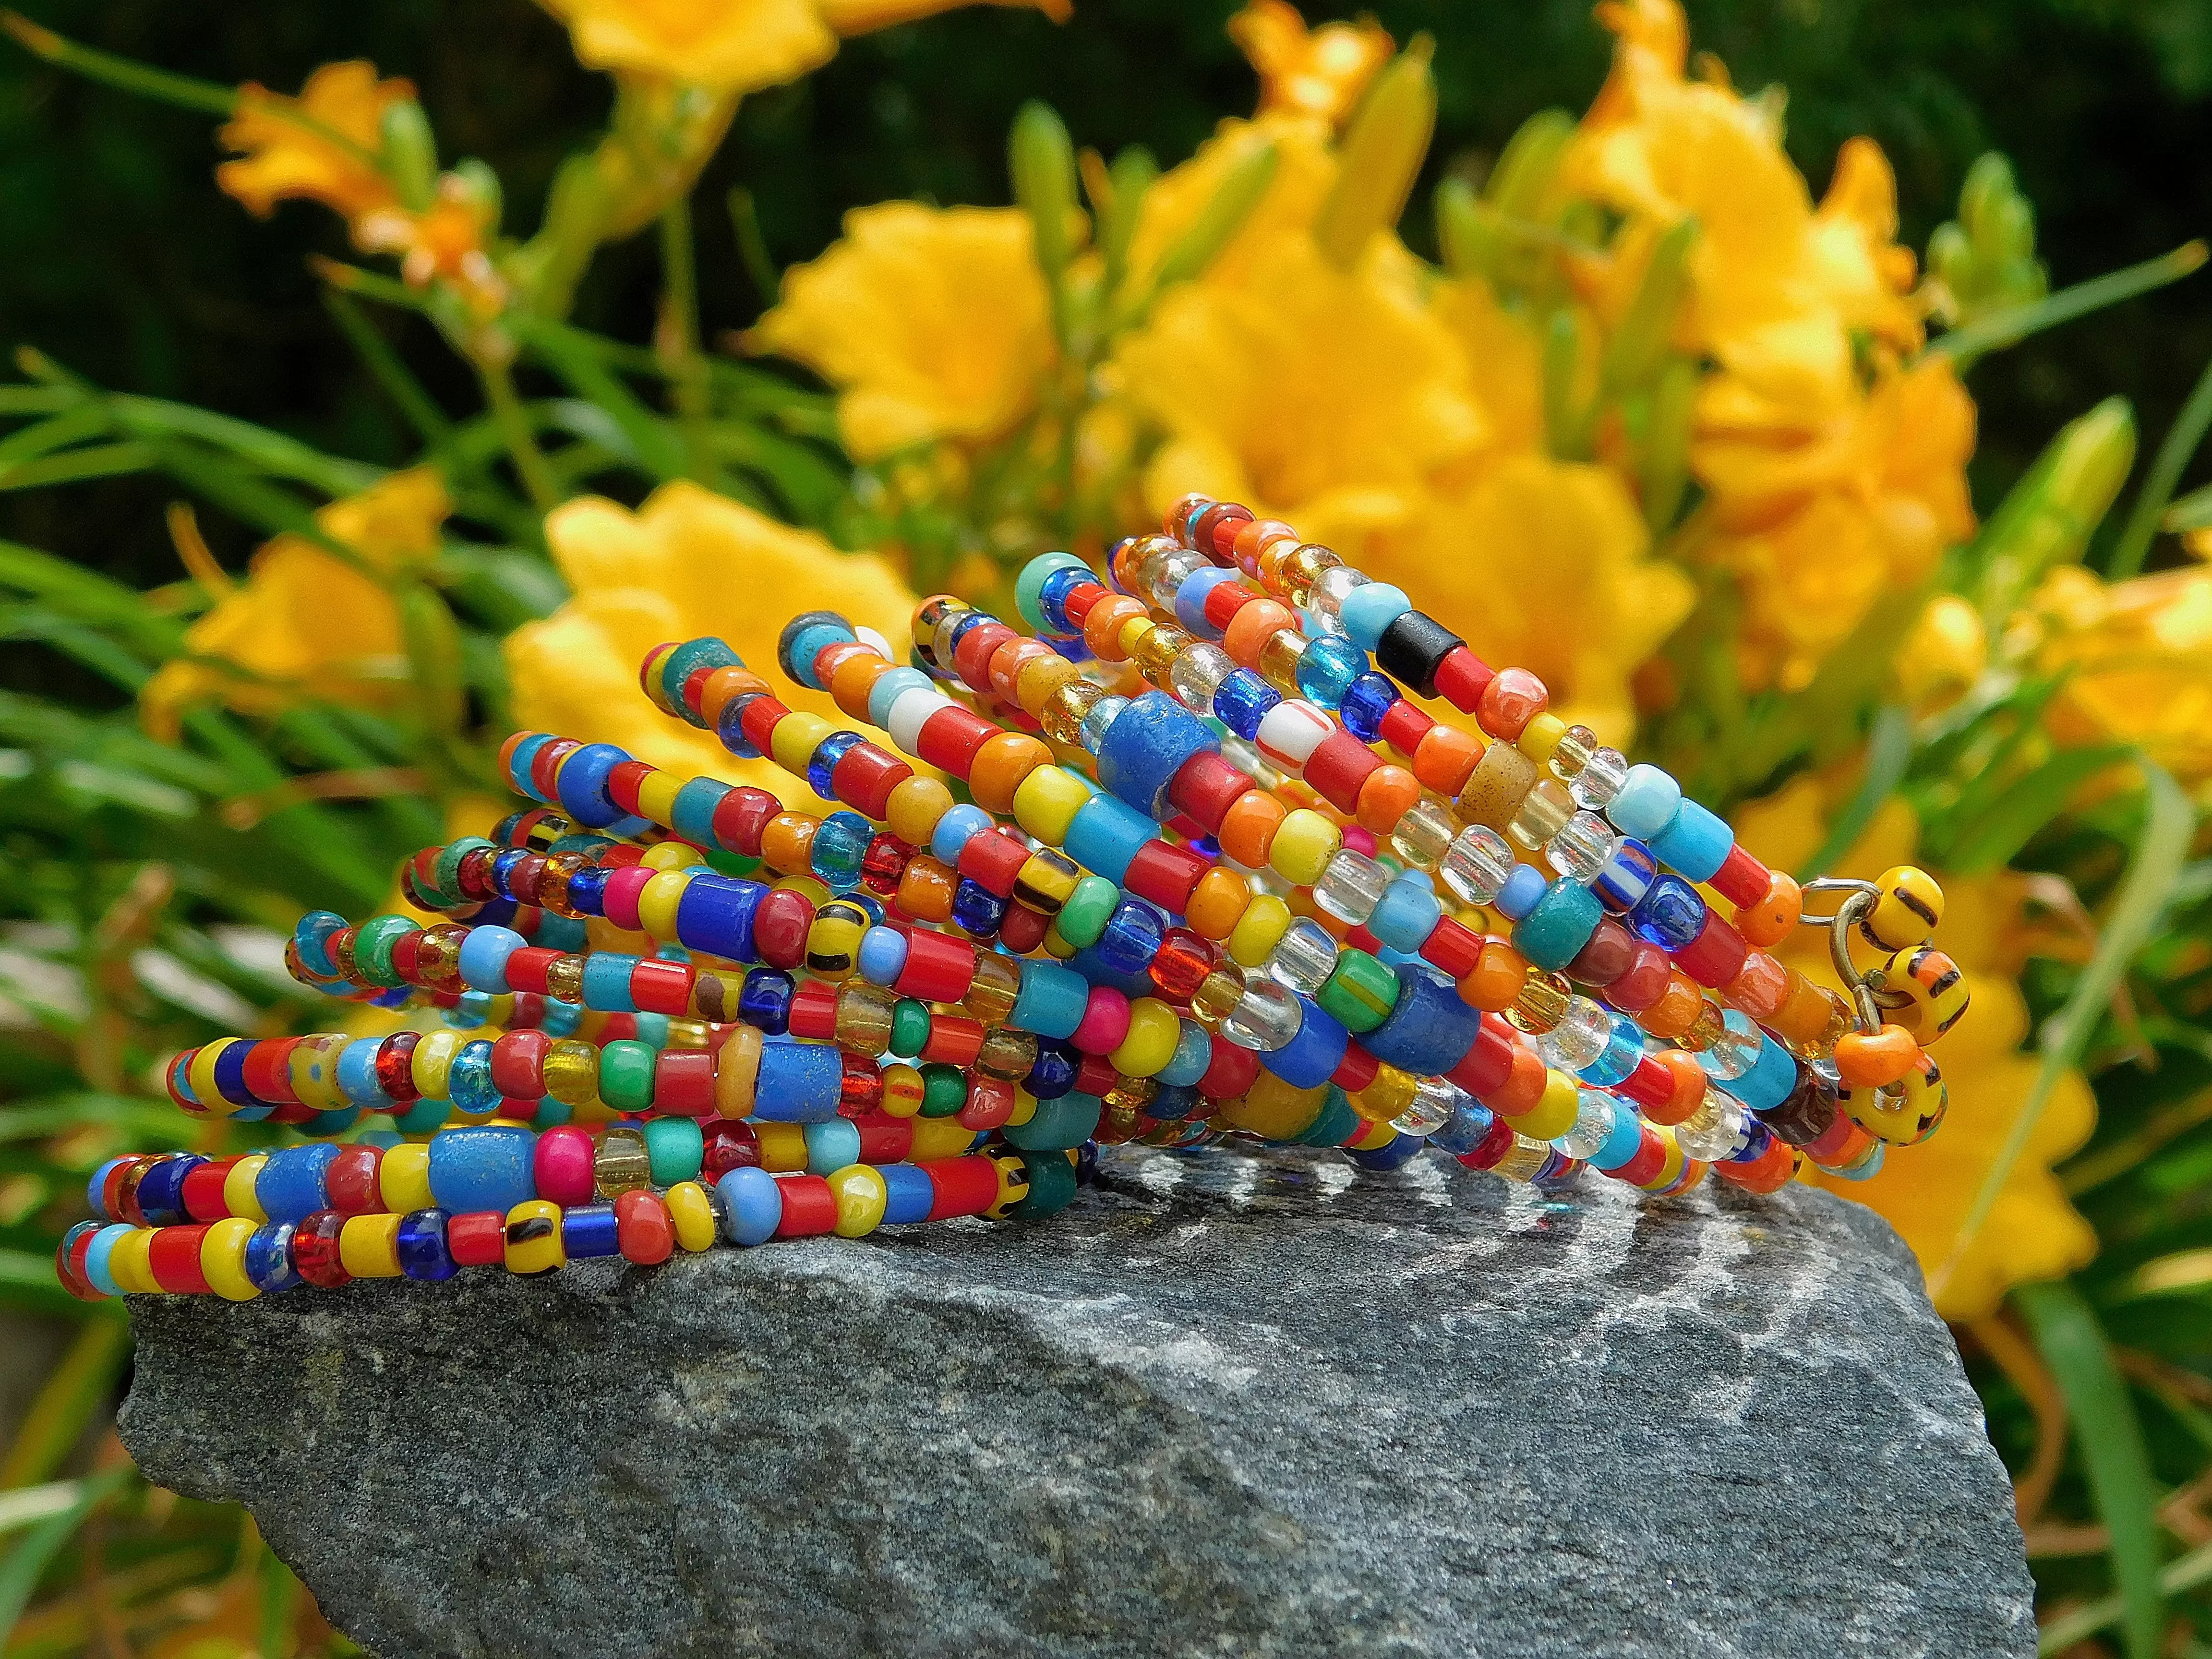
1254, 534
1101, 629
1267, 563
1007, 662
925, 888
1689, 1086
1040, 677
1248, 828
1760, 988
1876, 1060
1256, 621
1767, 1173
1678, 1006
1769, 921
1445, 758
916, 804
1001, 765
854, 678
1523, 1089
1217, 904
787, 841
724, 686
1388, 794
1494, 983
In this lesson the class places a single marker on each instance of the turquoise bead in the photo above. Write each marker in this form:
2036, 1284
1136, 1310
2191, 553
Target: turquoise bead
606, 981
1646, 803
1106, 834
1369, 610
831, 1145
1553, 933
1406, 916
889, 688
1695, 843
1031, 581
1051, 1002
1057, 1124
676, 1146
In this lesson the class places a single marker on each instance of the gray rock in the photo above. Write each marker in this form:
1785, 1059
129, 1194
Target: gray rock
1221, 1407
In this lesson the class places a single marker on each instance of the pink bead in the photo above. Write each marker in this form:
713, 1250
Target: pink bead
1359, 841
561, 1163
621, 892
1105, 1025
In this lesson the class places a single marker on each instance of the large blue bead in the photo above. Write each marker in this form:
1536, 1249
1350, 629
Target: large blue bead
1312, 1056
798, 1082
1145, 747
1430, 1028
1670, 915
293, 1183
484, 1167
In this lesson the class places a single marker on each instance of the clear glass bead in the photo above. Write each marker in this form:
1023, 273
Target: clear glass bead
1542, 1003
1247, 758
1735, 1051
1279, 660
1599, 779
1151, 555
1329, 590
1594, 1113
1425, 833
1435, 1103
1714, 1131
1579, 1038
1197, 674
1169, 574
1266, 1019
1304, 957
1350, 886
1581, 847
1103, 713
1544, 811
1476, 863
1576, 745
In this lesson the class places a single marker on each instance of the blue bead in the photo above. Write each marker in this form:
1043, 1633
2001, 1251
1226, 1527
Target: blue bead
891, 685
1406, 915
823, 761
1094, 968
798, 1082
1697, 843
953, 830
590, 1230
730, 727
503, 867
587, 891
831, 1145
764, 1000
1621, 1142
1052, 1074
908, 1193
1368, 609
1313, 1054
803, 637
582, 784
949, 636
1521, 892
468, 1079
1194, 1057
1768, 1081
1624, 1052
269, 1258
330, 1124
92, 1187
714, 913
481, 1167
1131, 936
1146, 745
687, 659
311, 935
977, 910
1105, 834
561, 933
424, 1251
752, 1205
1469, 1127
424, 1116
691, 814
1430, 1028
1242, 702
840, 841
1670, 915
161, 1190
1173, 1103
1328, 667
561, 1018
1559, 924
1646, 803
1029, 587
1051, 1002
484, 957
1623, 880
230, 1076
1057, 1124
1392, 1154
295, 1182
606, 981
1052, 597
356, 1074
1366, 701
517, 763
882, 956
1190, 599
652, 1029
101, 1252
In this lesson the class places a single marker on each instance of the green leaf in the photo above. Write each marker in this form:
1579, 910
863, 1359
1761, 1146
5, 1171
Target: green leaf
2110, 1439
659, 446
77, 466
2012, 325
2167, 467
28, 1560
2024, 806
1889, 751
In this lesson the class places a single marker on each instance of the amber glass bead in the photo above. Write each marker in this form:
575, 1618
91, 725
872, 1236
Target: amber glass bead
1677, 1009
1523, 1159
1157, 652
438, 958
1541, 1004
1303, 568
1061, 716
1812, 1018
1219, 994
622, 1164
864, 1017
1706, 1030
1181, 965
339, 949
564, 977
992, 994
553, 883
1131, 1094
1006, 1054
687, 1033
572, 1071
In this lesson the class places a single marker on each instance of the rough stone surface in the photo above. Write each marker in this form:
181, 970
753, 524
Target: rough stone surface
1221, 1407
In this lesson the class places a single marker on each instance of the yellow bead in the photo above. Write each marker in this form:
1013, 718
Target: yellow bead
1056, 944
1013, 1186
693, 1213
131, 1263
1387, 1097
1024, 1107
834, 940
368, 1246
672, 855
1671, 1166
1905, 914
902, 1090
1047, 801
939, 1137
433, 1061
223, 1259
238, 1196
571, 1071
314, 1071
1150, 1045
1304, 843
1935, 991
1539, 738
657, 901
1554, 1112
860, 1195
201, 1075
818, 893
782, 1147
795, 737
402, 1177
656, 796
533, 1238
737, 1068
1259, 930
1275, 1109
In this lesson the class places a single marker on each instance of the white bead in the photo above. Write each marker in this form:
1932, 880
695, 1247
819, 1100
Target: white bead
1594, 1121
909, 710
1291, 732
1197, 674
1350, 886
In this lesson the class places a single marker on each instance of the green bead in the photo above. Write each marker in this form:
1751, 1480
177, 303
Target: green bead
626, 1075
1359, 991
676, 1147
943, 1090
1335, 1124
910, 1027
448, 870
372, 948
729, 864
1052, 1185
1082, 918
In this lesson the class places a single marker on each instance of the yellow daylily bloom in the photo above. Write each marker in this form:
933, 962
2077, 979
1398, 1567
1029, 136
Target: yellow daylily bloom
2033, 1232
1319, 396
2137, 655
1317, 72
1506, 360
687, 563
1544, 565
285, 157
931, 323
733, 46
305, 623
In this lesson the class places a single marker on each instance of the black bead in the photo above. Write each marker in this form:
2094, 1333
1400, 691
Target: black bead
1411, 650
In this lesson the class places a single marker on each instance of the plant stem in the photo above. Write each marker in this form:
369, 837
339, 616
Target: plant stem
2015, 322
77, 1388
679, 322
182, 90
514, 427
2166, 469
752, 246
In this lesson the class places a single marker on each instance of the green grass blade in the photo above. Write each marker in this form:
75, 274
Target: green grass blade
2110, 1438
77, 466
28, 1560
2179, 1577
2173, 456
2015, 322
2024, 806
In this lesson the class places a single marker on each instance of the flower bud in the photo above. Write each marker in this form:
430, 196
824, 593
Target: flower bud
410, 154
1044, 164
2050, 516
1380, 157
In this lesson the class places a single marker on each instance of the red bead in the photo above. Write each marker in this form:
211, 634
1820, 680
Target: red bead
526, 969
950, 738
758, 719
1461, 679
1766, 1173
883, 863
1488, 1152
1022, 929
939, 968
1205, 788
990, 1103
1360, 937
407, 958
1096, 1076
814, 1011
545, 766
1513, 698
173, 1257
971, 657
267, 1071
351, 1179
954, 1040
1165, 874
625, 780
993, 860
1717, 955
865, 776
740, 819
1644, 982
1224, 600
203, 1189
884, 1139
1181, 965
1609, 954
1650, 1084
662, 988
1453, 946
1213, 532
962, 1186
315, 1250
730, 1147
1338, 766
810, 1208
395, 1066
1741, 879
861, 1088
644, 1231
518, 1064
478, 1239
1233, 1070
683, 1082
1358, 1069
781, 923
561, 1166
1404, 726
1643, 1163
1488, 1061
620, 896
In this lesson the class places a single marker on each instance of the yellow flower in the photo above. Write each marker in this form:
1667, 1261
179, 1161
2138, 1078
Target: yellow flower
305, 623
2137, 656
1506, 360
1925, 1191
1322, 397
733, 46
931, 322
1545, 565
687, 563
1316, 72
1305, 168
285, 157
